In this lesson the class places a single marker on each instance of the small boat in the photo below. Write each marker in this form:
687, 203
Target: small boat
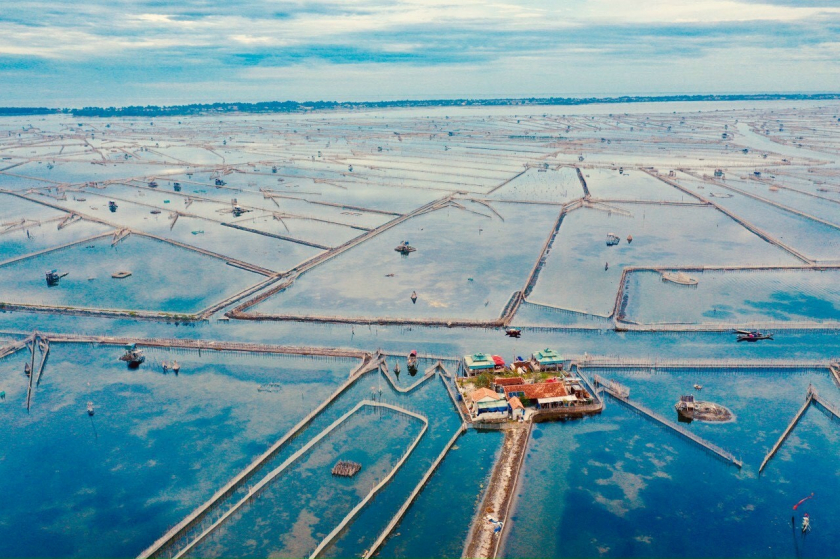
153, 184
405, 248
412, 362
53, 276
612, 239
27, 368
177, 187
121, 274
133, 356
806, 523
397, 369
629, 239
112, 206
513, 332
698, 387
752, 336
678, 278
154, 212
90, 409
414, 297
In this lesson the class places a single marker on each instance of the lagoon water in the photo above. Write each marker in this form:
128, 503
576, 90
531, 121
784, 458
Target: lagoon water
619, 485
614, 485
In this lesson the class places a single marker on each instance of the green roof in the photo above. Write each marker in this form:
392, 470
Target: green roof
479, 361
548, 357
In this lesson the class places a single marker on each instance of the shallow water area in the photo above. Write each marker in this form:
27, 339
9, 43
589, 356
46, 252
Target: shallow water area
617, 496
735, 297
156, 282
157, 445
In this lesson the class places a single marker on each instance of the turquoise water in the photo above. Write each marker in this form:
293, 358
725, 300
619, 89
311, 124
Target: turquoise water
735, 297
294, 523
298, 510
438, 522
157, 446
164, 277
622, 486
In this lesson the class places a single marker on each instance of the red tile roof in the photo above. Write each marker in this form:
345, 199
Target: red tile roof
505, 381
477, 395
535, 391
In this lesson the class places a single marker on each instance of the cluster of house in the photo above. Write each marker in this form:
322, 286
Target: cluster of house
509, 393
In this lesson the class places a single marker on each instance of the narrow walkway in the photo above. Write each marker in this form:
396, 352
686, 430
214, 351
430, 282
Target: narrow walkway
808, 399
483, 541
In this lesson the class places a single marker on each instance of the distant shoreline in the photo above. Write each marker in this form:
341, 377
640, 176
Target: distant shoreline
275, 107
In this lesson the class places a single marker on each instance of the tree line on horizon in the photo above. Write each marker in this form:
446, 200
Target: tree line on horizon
295, 106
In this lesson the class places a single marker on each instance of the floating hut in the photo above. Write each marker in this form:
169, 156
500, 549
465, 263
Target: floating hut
346, 468
404, 248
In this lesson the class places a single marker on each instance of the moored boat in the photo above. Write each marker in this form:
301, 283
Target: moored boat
678, 278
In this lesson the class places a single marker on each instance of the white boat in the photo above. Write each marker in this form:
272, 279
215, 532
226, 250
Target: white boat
678, 278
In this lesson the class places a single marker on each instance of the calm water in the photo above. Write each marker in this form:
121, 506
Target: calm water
157, 446
735, 297
622, 486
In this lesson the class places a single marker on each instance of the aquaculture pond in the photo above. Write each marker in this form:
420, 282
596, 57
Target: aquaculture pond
37, 237
735, 297
622, 486
630, 185
446, 508
583, 273
813, 239
157, 445
163, 277
542, 185
289, 516
464, 267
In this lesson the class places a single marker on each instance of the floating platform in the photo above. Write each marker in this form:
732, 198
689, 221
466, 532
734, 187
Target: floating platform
346, 468
689, 410
679, 278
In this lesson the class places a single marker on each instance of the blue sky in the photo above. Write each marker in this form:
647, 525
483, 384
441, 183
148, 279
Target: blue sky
118, 52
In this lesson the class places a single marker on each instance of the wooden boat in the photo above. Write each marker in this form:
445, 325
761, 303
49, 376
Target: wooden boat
133, 356
412, 362
678, 278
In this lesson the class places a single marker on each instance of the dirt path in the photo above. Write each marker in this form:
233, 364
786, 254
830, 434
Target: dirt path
482, 540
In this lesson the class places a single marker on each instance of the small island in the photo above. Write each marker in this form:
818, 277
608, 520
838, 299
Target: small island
688, 410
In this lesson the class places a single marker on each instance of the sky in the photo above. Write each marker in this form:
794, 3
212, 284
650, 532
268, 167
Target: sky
73, 53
